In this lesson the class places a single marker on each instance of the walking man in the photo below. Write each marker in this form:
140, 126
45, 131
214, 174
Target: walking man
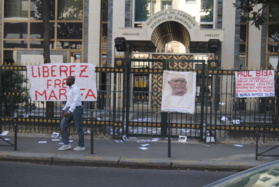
72, 111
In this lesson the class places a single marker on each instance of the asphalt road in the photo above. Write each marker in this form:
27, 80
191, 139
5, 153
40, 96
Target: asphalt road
29, 174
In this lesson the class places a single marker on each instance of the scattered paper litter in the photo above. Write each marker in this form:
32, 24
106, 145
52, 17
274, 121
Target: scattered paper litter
6, 139
210, 139
124, 138
42, 141
55, 140
87, 132
71, 140
143, 141
145, 145
60, 143
118, 141
186, 130
155, 139
133, 138
236, 121
55, 135
4, 133
25, 115
182, 138
166, 138
143, 148
238, 145
224, 118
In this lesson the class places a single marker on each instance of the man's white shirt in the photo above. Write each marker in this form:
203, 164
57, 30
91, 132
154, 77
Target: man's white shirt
73, 98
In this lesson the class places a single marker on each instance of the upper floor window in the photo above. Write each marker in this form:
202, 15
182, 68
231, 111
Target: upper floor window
36, 8
141, 10
105, 10
70, 10
146, 8
67, 9
166, 4
23, 23
206, 14
273, 29
16, 9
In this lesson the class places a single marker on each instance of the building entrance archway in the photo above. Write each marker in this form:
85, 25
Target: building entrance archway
166, 26
168, 32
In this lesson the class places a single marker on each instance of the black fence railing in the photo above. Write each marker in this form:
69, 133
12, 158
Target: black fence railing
136, 111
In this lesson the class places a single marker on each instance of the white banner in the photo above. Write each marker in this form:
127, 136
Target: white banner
179, 90
255, 83
48, 81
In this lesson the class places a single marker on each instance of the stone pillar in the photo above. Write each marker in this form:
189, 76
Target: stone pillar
93, 34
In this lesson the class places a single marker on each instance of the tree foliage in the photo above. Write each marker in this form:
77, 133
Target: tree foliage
207, 7
14, 94
254, 11
70, 9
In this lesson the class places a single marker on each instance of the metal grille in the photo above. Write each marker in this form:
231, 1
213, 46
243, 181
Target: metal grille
129, 97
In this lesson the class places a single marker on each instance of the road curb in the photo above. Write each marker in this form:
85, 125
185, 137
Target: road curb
26, 157
85, 160
209, 165
147, 163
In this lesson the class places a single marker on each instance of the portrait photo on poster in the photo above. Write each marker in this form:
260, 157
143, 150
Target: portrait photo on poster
178, 92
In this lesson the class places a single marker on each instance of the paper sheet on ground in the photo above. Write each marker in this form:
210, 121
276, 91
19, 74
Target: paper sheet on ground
42, 141
4, 133
55, 140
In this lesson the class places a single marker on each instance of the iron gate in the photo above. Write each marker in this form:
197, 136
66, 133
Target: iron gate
218, 113
142, 84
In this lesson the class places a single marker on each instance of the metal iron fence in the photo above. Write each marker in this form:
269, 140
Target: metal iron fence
129, 96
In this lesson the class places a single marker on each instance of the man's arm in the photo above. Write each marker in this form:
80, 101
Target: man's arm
76, 95
62, 113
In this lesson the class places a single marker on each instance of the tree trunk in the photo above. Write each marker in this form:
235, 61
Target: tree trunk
275, 116
45, 16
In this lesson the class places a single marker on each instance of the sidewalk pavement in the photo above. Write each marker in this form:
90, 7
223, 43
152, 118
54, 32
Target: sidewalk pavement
137, 153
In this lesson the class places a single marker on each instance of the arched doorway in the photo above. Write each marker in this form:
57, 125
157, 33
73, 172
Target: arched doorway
168, 32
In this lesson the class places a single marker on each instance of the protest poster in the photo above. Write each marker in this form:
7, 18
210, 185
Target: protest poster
259, 83
48, 81
179, 90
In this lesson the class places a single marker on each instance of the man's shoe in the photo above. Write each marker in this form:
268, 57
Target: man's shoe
78, 148
64, 147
